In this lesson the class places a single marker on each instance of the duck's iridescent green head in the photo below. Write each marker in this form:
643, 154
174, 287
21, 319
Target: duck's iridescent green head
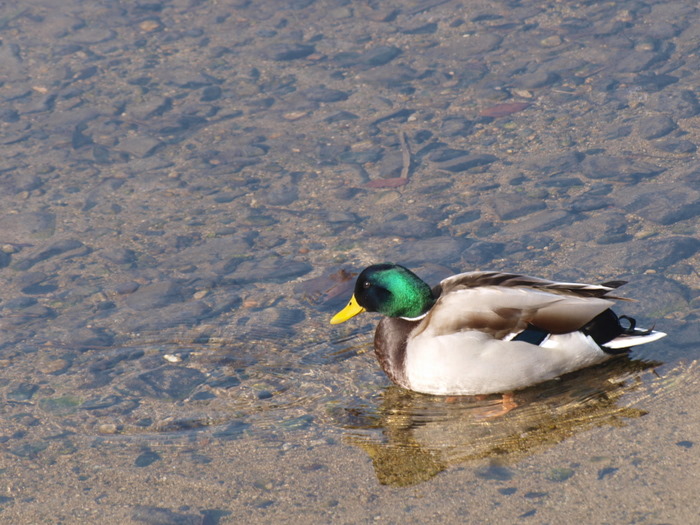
389, 289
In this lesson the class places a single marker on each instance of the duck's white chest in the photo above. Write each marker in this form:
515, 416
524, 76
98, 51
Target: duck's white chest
472, 362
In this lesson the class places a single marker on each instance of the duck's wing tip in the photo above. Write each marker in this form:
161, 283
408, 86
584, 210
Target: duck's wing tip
478, 279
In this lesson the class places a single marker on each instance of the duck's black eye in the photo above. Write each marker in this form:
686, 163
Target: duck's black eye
366, 284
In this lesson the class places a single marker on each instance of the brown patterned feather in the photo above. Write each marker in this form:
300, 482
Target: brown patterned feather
478, 279
502, 304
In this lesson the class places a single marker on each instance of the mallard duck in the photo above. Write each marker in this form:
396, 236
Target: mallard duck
488, 332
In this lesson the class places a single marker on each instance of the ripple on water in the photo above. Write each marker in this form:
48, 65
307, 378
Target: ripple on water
169, 390
261, 390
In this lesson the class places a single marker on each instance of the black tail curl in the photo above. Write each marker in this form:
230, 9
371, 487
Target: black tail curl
631, 330
607, 326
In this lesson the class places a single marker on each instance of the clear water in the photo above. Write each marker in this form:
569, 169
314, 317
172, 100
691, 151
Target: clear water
188, 190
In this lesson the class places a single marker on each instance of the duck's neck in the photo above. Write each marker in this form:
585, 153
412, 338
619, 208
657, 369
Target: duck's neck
410, 299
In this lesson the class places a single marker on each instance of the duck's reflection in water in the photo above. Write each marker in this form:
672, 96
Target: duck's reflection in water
412, 437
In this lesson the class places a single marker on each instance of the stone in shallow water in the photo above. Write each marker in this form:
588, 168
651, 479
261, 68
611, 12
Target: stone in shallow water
542, 221
655, 126
119, 256
467, 162
391, 76
467, 216
677, 146
443, 154
495, 472
403, 228
680, 103
425, 29
636, 61
139, 145
536, 79
78, 139
560, 474
586, 202
29, 450
233, 430
189, 314
84, 338
618, 132
465, 49
664, 205
659, 254
211, 93
102, 402
150, 107
443, 250
391, 165
481, 253
513, 205
126, 287
669, 296
9, 115
17, 227
340, 117
282, 195
653, 82
54, 249
11, 62
30, 315
608, 228
456, 126
22, 391
284, 52
273, 323
155, 295
610, 167
29, 280
18, 303
342, 217
146, 458
270, 269
166, 382
324, 94
377, 56
19, 182
212, 251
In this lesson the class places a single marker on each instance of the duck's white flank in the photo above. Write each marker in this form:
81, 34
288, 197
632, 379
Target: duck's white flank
469, 363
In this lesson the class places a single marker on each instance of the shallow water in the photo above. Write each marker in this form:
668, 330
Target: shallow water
188, 189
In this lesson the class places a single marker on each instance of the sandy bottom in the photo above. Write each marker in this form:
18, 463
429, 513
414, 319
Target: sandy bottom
644, 472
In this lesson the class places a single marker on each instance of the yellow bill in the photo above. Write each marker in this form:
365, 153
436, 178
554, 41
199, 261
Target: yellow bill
351, 310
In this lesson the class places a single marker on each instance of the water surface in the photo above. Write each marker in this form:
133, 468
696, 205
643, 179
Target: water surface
189, 188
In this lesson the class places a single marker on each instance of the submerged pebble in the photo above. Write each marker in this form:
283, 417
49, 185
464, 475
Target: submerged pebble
512, 206
663, 205
160, 516
166, 382
656, 126
443, 249
155, 295
495, 472
610, 167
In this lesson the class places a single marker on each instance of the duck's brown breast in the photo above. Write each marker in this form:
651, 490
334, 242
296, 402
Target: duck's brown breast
390, 340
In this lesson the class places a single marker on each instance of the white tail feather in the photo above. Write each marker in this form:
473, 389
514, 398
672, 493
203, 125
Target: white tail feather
627, 341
